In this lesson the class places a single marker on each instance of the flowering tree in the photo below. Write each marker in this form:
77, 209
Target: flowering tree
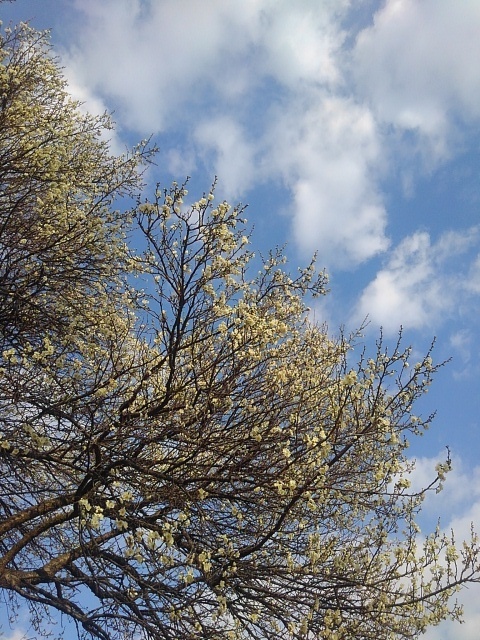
183, 453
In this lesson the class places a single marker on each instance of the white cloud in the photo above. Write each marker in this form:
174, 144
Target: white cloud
225, 138
465, 362
160, 60
418, 287
16, 635
458, 506
473, 281
93, 104
181, 162
460, 493
302, 41
203, 69
263, 91
404, 293
416, 65
469, 598
326, 151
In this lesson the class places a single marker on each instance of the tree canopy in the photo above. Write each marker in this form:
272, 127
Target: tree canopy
184, 452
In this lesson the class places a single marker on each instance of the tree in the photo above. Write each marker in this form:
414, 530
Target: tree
183, 452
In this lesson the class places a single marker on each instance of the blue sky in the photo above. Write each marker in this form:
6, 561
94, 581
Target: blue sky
351, 128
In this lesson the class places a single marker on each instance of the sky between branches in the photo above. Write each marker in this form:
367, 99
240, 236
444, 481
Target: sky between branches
351, 128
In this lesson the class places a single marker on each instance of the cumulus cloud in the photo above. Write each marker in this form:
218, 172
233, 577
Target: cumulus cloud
93, 104
326, 151
280, 91
458, 506
471, 616
260, 89
460, 492
473, 281
464, 350
418, 287
302, 40
415, 66
159, 61
16, 635
225, 139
